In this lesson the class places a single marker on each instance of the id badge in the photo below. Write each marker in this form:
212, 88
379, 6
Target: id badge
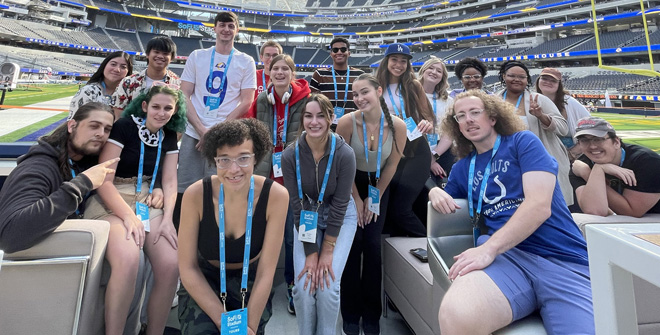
211, 107
374, 200
432, 139
142, 212
277, 164
235, 322
307, 228
411, 129
339, 112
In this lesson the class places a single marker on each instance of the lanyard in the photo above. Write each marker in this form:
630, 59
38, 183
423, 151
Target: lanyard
325, 178
224, 74
141, 166
248, 239
380, 145
73, 175
519, 98
435, 104
286, 121
334, 81
263, 79
475, 215
623, 156
396, 110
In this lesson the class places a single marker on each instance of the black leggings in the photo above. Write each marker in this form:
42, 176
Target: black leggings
361, 281
408, 181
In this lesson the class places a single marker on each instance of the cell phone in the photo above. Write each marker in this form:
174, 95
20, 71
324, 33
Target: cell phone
420, 254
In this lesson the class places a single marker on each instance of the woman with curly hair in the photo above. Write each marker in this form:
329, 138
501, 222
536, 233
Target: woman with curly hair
433, 77
471, 72
541, 117
405, 98
231, 232
145, 140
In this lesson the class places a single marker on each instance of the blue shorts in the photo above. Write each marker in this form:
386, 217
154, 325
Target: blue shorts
560, 291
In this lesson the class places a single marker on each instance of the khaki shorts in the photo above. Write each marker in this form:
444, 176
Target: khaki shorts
95, 208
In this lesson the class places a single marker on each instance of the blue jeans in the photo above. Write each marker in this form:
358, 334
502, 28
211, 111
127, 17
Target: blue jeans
318, 313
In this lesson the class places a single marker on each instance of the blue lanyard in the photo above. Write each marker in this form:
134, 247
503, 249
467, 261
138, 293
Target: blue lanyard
325, 178
623, 156
484, 181
73, 175
286, 121
519, 98
141, 166
263, 79
224, 74
435, 104
334, 81
380, 145
248, 239
396, 110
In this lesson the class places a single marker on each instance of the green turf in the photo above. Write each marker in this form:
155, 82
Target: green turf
652, 143
623, 122
20, 133
31, 94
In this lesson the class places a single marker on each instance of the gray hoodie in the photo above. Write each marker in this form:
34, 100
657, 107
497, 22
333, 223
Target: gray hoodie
337, 192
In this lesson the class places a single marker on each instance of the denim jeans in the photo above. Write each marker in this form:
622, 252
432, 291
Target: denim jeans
318, 313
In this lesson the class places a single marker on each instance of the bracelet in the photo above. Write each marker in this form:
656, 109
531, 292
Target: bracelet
332, 244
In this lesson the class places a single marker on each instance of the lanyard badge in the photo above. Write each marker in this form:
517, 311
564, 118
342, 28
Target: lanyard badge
475, 216
213, 102
339, 111
374, 192
141, 209
309, 219
235, 322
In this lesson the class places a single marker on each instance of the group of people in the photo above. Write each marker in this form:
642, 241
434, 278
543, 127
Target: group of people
325, 168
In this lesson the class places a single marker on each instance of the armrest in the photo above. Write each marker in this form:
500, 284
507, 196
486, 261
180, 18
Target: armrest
448, 236
71, 238
582, 220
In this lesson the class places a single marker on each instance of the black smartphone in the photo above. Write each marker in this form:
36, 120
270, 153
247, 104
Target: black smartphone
420, 254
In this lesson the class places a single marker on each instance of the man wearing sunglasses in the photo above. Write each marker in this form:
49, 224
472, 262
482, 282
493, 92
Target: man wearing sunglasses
336, 81
613, 177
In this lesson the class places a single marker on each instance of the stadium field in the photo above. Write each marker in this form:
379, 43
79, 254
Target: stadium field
27, 94
625, 122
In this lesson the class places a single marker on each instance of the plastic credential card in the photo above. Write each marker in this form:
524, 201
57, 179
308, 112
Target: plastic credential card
339, 112
277, 164
212, 105
235, 322
307, 228
374, 200
412, 131
432, 139
142, 212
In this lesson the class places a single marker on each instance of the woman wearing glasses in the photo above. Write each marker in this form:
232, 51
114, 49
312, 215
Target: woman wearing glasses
145, 140
471, 72
433, 77
549, 84
540, 115
405, 98
102, 84
324, 216
231, 231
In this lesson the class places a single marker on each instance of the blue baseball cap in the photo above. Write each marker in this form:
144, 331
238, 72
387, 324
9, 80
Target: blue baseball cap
398, 49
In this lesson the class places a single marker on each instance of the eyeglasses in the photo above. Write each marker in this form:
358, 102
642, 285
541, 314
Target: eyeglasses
584, 141
549, 79
224, 162
470, 77
461, 117
342, 49
519, 77
162, 83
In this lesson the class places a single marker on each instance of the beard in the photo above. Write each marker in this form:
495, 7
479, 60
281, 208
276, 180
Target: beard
86, 149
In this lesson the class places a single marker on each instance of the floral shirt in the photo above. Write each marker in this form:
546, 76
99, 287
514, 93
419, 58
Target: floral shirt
131, 87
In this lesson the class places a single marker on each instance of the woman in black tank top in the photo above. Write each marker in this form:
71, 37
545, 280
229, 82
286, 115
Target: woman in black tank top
234, 146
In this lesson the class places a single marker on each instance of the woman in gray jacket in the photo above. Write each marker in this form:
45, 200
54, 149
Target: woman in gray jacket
318, 173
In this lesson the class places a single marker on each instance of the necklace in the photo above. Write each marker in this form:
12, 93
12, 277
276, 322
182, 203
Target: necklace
372, 136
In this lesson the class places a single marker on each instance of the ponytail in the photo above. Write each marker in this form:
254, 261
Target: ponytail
390, 124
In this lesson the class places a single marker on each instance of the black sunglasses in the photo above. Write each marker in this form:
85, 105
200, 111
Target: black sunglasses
336, 50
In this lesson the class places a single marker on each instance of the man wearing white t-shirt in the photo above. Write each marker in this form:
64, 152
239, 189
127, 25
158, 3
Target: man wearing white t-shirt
219, 85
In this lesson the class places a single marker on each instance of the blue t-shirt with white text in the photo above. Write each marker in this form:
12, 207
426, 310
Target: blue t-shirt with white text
559, 236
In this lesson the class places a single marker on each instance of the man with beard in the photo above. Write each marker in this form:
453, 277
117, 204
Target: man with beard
52, 181
160, 52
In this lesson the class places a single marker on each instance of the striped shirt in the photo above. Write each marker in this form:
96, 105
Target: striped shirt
322, 82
